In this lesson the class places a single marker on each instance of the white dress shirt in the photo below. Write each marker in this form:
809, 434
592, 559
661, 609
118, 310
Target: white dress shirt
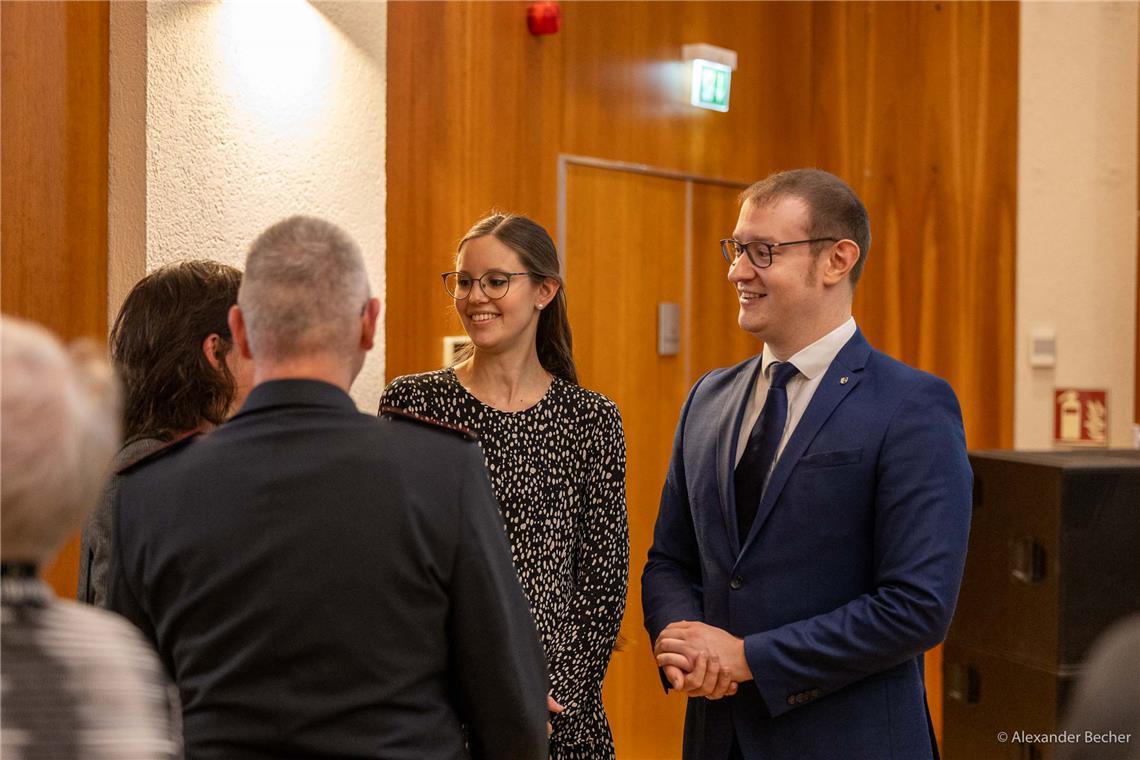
812, 362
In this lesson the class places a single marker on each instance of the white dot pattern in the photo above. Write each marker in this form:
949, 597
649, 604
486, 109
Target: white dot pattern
558, 471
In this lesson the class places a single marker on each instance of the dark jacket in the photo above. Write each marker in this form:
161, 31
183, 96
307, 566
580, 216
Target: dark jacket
95, 544
322, 583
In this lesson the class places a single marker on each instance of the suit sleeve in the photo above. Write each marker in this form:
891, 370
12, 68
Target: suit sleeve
671, 582
500, 670
583, 641
922, 520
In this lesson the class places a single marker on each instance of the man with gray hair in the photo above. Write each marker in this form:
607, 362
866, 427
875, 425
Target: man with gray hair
323, 583
78, 682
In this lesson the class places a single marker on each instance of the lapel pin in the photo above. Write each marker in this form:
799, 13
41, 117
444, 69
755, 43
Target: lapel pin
843, 380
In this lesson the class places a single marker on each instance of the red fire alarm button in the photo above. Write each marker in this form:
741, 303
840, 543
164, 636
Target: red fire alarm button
544, 17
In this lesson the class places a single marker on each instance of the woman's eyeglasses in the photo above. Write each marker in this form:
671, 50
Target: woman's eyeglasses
493, 284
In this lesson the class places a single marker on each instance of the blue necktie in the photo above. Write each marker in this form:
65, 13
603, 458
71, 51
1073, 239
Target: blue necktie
763, 441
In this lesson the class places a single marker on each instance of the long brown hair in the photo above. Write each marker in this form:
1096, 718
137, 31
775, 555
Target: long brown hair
539, 257
156, 347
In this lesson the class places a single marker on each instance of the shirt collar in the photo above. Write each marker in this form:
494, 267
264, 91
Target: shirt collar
295, 392
814, 360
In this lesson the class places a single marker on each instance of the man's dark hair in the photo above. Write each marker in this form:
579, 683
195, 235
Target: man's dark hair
834, 210
156, 347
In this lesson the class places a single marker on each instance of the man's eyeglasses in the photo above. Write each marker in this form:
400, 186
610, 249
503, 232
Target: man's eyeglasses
493, 284
759, 253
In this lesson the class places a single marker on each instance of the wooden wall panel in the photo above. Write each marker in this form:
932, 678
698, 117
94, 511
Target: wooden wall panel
626, 88
53, 137
474, 104
916, 104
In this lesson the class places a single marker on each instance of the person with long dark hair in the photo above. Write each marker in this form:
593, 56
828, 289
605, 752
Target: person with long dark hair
172, 348
555, 454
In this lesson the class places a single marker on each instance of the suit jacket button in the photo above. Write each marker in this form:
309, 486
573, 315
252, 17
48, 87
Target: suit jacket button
736, 583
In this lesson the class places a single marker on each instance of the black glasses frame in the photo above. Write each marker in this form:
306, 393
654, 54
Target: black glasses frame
482, 285
758, 250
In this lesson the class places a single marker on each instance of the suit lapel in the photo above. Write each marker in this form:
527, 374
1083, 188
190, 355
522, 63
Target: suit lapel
839, 380
729, 426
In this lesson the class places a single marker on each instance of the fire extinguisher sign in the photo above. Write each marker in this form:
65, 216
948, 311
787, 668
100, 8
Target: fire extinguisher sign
1080, 417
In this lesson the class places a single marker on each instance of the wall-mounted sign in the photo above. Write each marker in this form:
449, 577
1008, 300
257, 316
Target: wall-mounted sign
1080, 417
712, 74
711, 83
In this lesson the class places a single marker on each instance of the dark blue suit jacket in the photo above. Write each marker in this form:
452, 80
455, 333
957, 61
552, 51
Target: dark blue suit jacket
850, 571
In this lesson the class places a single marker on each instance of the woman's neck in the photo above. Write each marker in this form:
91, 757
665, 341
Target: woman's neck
505, 381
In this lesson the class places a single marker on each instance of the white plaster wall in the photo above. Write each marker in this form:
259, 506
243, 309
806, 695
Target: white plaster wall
259, 110
1076, 221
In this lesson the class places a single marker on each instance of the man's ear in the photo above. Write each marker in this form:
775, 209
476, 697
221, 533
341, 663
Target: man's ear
237, 330
368, 322
841, 259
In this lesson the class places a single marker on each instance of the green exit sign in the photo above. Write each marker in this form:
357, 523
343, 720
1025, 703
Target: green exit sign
711, 83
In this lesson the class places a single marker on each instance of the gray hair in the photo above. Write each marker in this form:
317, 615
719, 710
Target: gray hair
58, 431
303, 290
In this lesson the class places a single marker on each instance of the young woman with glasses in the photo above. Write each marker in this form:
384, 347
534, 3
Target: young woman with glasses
555, 455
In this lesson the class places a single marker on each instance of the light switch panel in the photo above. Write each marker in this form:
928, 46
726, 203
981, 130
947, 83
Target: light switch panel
668, 329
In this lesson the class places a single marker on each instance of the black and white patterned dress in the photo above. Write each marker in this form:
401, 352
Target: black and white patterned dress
558, 470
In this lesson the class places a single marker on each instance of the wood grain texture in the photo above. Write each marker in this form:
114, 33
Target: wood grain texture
474, 106
53, 212
915, 104
627, 88
918, 111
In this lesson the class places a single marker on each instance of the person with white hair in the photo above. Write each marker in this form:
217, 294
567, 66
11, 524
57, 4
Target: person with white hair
78, 682
321, 582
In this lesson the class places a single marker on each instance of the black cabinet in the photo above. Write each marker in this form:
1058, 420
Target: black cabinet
1054, 559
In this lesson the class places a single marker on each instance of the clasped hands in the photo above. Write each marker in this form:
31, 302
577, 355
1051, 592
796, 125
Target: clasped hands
701, 660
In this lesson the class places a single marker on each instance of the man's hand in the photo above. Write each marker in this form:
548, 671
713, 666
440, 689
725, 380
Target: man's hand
702, 660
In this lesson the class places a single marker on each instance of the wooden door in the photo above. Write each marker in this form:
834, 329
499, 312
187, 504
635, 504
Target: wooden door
630, 245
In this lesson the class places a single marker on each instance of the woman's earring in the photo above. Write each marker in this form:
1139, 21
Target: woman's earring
540, 305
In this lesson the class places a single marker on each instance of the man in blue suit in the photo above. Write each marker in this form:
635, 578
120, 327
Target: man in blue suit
813, 525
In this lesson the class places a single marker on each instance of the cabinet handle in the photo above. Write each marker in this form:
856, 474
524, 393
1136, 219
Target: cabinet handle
964, 684
1027, 561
